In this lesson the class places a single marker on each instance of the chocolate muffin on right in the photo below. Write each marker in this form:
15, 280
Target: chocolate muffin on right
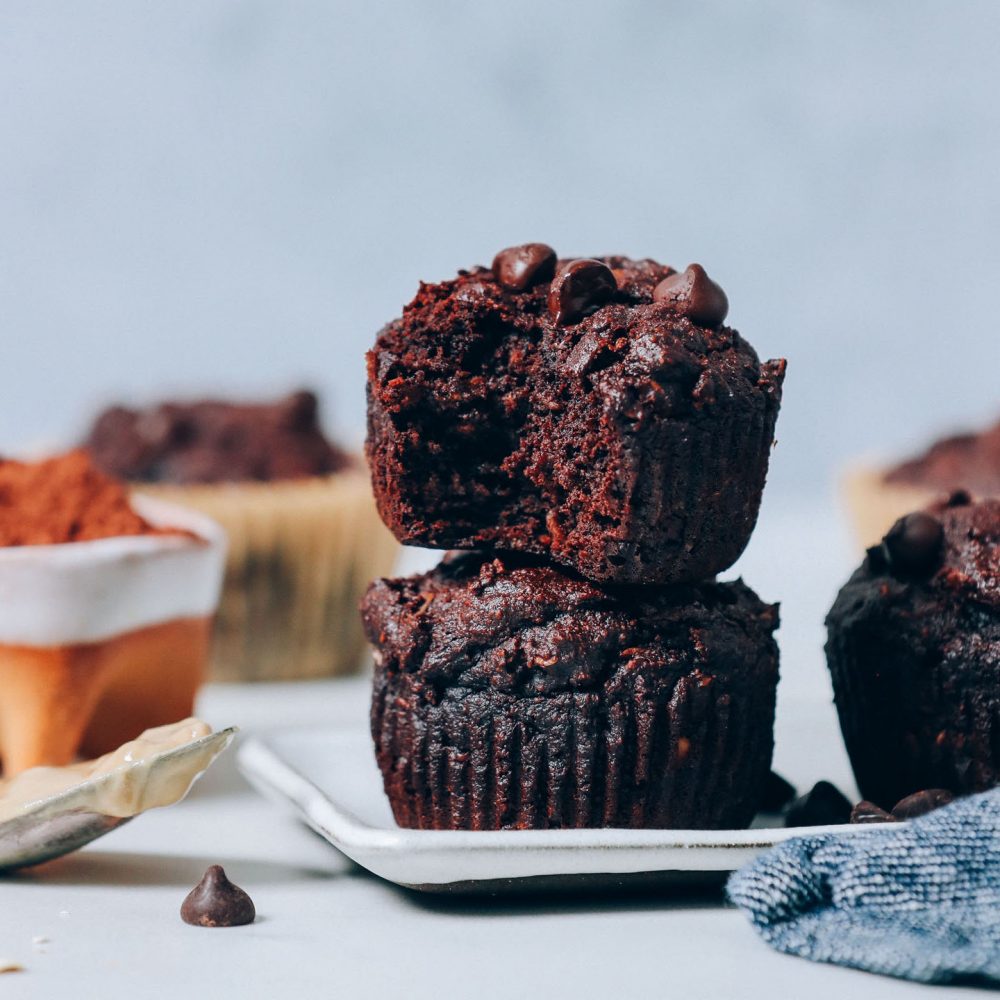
914, 652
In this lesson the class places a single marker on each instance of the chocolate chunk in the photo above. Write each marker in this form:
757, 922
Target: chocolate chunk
518, 268
875, 559
922, 802
959, 498
579, 288
216, 902
777, 793
868, 812
913, 544
822, 805
695, 295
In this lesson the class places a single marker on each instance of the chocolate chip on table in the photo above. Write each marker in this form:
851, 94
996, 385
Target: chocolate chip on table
913, 544
216, 902
518, 268
922, 802
692, 293
777, 793
579, 288
822, 805
868, 812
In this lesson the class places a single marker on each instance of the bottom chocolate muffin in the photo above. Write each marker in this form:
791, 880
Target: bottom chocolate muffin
511, 695
914, 653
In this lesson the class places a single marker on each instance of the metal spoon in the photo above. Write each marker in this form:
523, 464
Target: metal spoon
65, 822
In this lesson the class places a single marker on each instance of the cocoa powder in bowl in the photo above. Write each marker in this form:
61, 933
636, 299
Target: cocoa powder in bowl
65, 499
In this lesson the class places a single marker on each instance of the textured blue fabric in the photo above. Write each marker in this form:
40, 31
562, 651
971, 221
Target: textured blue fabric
920, 900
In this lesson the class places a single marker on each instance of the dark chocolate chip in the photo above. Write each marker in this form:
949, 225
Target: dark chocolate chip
913, 544
579, 288
216, 902
922, 802
822, 805
777, 793
877, 562
518, 268
868, 812
959, 498
694, 294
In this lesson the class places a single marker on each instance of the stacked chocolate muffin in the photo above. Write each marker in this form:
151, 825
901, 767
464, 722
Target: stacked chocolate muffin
598, 440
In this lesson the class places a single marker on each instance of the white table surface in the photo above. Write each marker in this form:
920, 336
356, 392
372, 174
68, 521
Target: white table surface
110, 912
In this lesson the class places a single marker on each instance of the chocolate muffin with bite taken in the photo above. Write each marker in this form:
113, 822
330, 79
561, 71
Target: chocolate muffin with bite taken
914, 652
512, 694
595, 412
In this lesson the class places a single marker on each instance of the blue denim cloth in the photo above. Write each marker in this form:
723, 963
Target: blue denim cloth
919, 900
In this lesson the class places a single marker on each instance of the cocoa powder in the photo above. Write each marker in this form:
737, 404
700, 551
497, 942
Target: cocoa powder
65, 499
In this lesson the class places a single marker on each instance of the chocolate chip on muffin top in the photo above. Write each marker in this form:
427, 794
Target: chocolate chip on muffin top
954, 546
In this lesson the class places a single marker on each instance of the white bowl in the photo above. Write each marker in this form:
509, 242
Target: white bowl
78, 592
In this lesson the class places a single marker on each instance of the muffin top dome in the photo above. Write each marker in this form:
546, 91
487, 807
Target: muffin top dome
214, 441
647, 339
951, 548
514, 623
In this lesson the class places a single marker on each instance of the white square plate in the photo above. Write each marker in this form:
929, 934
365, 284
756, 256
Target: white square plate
332, 781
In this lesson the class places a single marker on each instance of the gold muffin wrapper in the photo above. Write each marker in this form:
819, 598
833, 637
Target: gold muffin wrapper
875, 505
300, 556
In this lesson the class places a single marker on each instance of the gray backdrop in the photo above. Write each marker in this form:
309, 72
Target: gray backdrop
232, 195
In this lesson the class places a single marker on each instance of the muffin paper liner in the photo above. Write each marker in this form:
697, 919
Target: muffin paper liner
651, 750
913, 720
875, 505
703, 488
300, 556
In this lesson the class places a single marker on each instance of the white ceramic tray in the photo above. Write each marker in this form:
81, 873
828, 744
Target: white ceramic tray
332, 782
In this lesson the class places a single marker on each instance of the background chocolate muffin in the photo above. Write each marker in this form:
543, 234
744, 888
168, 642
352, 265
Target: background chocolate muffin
513, 695
963, 461
877, 497
914, 652
304, 535
595, 412
215, 441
